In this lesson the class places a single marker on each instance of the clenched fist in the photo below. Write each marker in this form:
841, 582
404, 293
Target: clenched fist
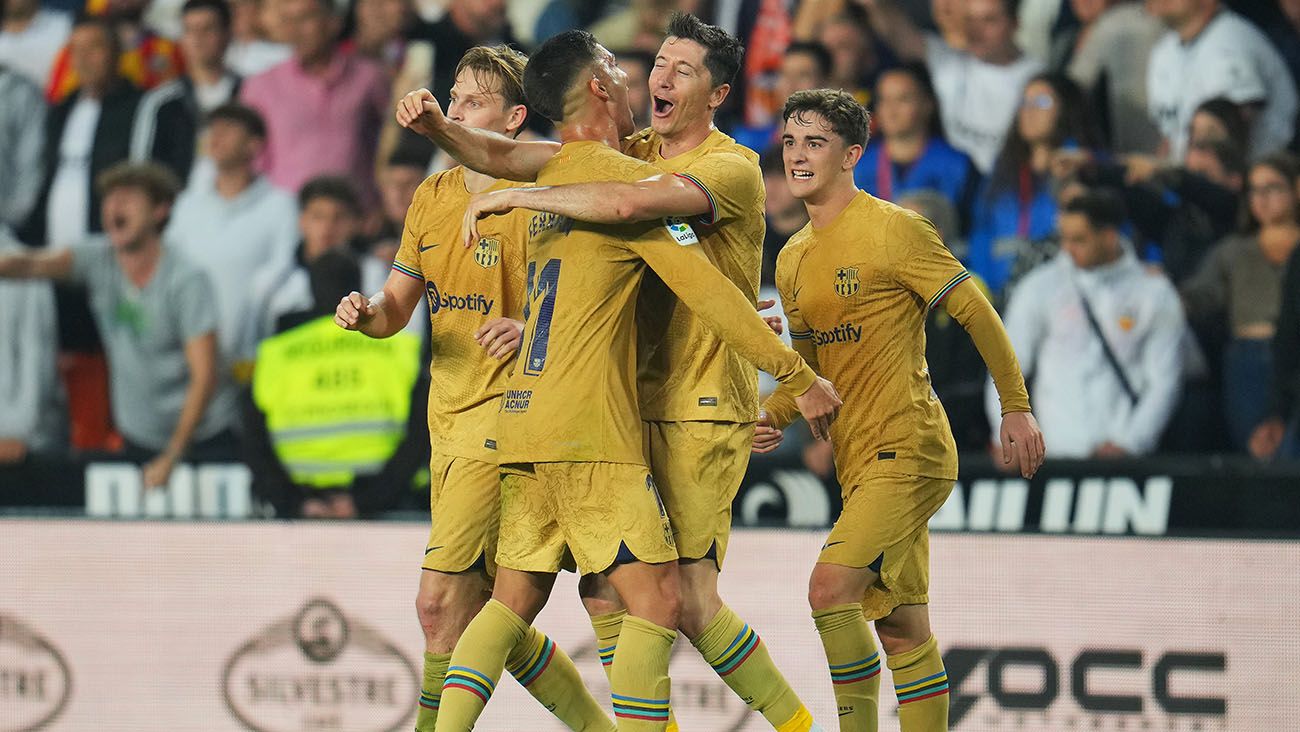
354, 311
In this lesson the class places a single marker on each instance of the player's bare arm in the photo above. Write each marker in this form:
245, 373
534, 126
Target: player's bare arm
479, 150
1021, 439
201, 359
45, 264
605, 202
383, 314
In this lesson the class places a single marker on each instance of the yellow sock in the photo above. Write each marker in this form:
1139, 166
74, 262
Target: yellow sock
607, 628
476, 666
739, 656
547, 672
435, 667
854, 664
639, 676
921, 683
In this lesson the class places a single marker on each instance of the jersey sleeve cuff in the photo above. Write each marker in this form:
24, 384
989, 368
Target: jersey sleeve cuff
408, 271
712, 216
802, 380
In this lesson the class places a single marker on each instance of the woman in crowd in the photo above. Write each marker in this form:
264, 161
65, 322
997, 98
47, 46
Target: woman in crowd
1016, 207
1241, 281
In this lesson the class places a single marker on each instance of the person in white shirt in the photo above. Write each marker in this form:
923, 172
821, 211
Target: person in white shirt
232, 224
1100, 336
979, 87
30, 38
1209, 52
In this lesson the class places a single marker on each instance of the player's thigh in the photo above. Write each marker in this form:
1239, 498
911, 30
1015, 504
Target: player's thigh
464, 510
699, 467
883, 529
610, 513
531, 537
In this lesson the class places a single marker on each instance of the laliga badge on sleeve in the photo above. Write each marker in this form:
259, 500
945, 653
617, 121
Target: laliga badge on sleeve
681, 232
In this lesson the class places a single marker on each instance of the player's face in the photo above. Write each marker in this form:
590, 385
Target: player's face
816, 158
1272, 197
230, 145
901, 107
988, 29
130, 217
203, 40
326, 224
476, 102
615, 81
681, 88
1038, 112
1086, 246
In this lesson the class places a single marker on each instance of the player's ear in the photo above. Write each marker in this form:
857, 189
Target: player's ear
598, 87
851, 156
518, 115
719, 95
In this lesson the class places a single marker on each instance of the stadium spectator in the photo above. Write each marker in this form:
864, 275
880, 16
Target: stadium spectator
154, 311
144, 58
784, 213
957, 371
1016, 208
1279, 434
805, 65
979, 87
467, 23
398, 180
1210, 51
329, 429
1099, 336
637, 66
909, 152
639, 25
329, 219
32, 420
253, 49
377, 31
168, 121
30, 38
855, 63
1242, 280
231, 225
1108, 58
22, 147
339, 102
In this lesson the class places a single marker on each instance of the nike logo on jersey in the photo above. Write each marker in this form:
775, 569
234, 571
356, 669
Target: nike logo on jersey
427, 247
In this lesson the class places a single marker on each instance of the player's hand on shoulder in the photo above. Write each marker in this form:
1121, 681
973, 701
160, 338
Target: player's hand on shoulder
419, 112
500, 337
354, 311
773, 321
820, 405
766, 437
1022, 442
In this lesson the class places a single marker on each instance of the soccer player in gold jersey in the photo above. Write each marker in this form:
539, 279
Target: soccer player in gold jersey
856, 284
475, 300
697, 397
577, 482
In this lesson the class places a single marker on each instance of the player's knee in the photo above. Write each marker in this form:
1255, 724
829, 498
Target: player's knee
825, 592
445, 606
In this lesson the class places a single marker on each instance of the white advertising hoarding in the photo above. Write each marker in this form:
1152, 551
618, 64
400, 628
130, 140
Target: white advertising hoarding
280, 627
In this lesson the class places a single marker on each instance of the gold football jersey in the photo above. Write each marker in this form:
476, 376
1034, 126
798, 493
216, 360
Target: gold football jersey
856, 294
688, 373
572, 395
465, 288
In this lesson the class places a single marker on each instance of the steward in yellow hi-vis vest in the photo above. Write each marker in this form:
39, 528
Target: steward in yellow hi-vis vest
336, 402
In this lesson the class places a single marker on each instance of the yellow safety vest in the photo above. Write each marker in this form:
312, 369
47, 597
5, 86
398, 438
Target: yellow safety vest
336, 401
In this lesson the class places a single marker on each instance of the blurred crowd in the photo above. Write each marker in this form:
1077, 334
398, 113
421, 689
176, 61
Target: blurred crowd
1119, 175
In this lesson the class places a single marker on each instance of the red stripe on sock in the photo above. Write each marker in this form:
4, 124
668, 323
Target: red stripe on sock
468, 688
641, 717
546, 663
927, 696
429, 706
869, 676
741, 662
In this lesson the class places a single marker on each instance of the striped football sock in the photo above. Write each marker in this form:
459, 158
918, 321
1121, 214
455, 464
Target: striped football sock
547, 672
921, 684
639, 676
854, 664
476, 666
435, 667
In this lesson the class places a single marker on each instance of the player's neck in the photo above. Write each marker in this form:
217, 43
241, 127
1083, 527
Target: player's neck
825, 208
591, 125
685, 140
478, 182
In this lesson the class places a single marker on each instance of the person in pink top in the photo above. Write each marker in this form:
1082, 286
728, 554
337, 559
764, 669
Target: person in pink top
323, 107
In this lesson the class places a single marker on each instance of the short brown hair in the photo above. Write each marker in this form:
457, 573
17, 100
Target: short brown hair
841, 111
157, 182
499, 62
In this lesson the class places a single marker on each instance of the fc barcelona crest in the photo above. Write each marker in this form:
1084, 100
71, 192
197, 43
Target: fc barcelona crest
487, 253
846, 281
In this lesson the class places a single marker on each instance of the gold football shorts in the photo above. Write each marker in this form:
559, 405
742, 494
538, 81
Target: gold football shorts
884, 527
465, 507
594, 513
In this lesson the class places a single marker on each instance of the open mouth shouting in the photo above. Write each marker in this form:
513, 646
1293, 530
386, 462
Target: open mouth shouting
662, 107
